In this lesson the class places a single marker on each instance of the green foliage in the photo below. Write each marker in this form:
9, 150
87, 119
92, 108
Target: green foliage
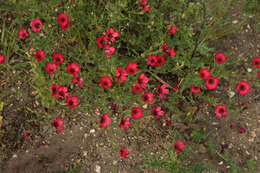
173, 163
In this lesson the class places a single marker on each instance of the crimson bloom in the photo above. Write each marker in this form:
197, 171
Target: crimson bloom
101, 41
39, 55
178, 146
242, 130
120, 74
73, 68
144, 6
50, 68
57, 58
169, 52
36, 25
54, 90
157, 112
104, 121
63, 92
220, 111
195, 89
159, 60
220, 57
2, 59
57, 123
131, 68
111, 34
211, 83
22, 34
137, 88
142, 80
109, 50
77, 80
173, 29
71, 101
105, 82
63, 21
204, 73
256, 62
124, 123
243, 87
136, 113
161, 90
147, 97
151, 60
123, 153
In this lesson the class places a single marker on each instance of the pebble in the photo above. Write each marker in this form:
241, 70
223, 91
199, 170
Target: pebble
215, 123
249, 70
231, 94
220, 163
15, 156
98, 169
114, 162
92, 131
235, 21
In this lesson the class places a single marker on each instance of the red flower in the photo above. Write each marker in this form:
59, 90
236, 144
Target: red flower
161, 90
78, 81
220, 111
73, 69
136, 113
142, 80
256, 62
63, 21
131, 68
54, 90
57, 123
220, 57
71, 101
258, 75
105, 82
151, 60
2, 59
39, 55
173, 29
36, 25
160, 60
63, 92
137, 88
57, 58
178, 146
111, 34
22, 34
175, 87
144, 6
232, 126
109, 50
50, 68
123, 152
157, 112
101, 41
204, 73
168, 123
147, 97
121, 75
242, 130
25, 135
195, 89
104, 121
243, 87
169, 52
211, 83
124, 123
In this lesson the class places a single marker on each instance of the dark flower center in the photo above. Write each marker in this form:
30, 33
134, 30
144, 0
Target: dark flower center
37, 25
102, 120
131, 70
122, 122
221, 111
51, 69
58, 59
152, 60
62, 19
211, 81
105, 83
140, 81
242, 87
61, 94
159, 60
135, 111
219, 59
160, 90
196, 88
54, 90
55, 124
256, 62
155, 112
202, 74
24, 35
39, 56
70, 102
72, 70
145, 97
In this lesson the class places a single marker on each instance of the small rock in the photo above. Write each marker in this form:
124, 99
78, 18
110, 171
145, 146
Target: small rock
249, 70
15, 156
114, 162
235, 21
220, 163
253, 134
98, 169
145, 106
215, 123
231, 94
85, 153
92, 131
